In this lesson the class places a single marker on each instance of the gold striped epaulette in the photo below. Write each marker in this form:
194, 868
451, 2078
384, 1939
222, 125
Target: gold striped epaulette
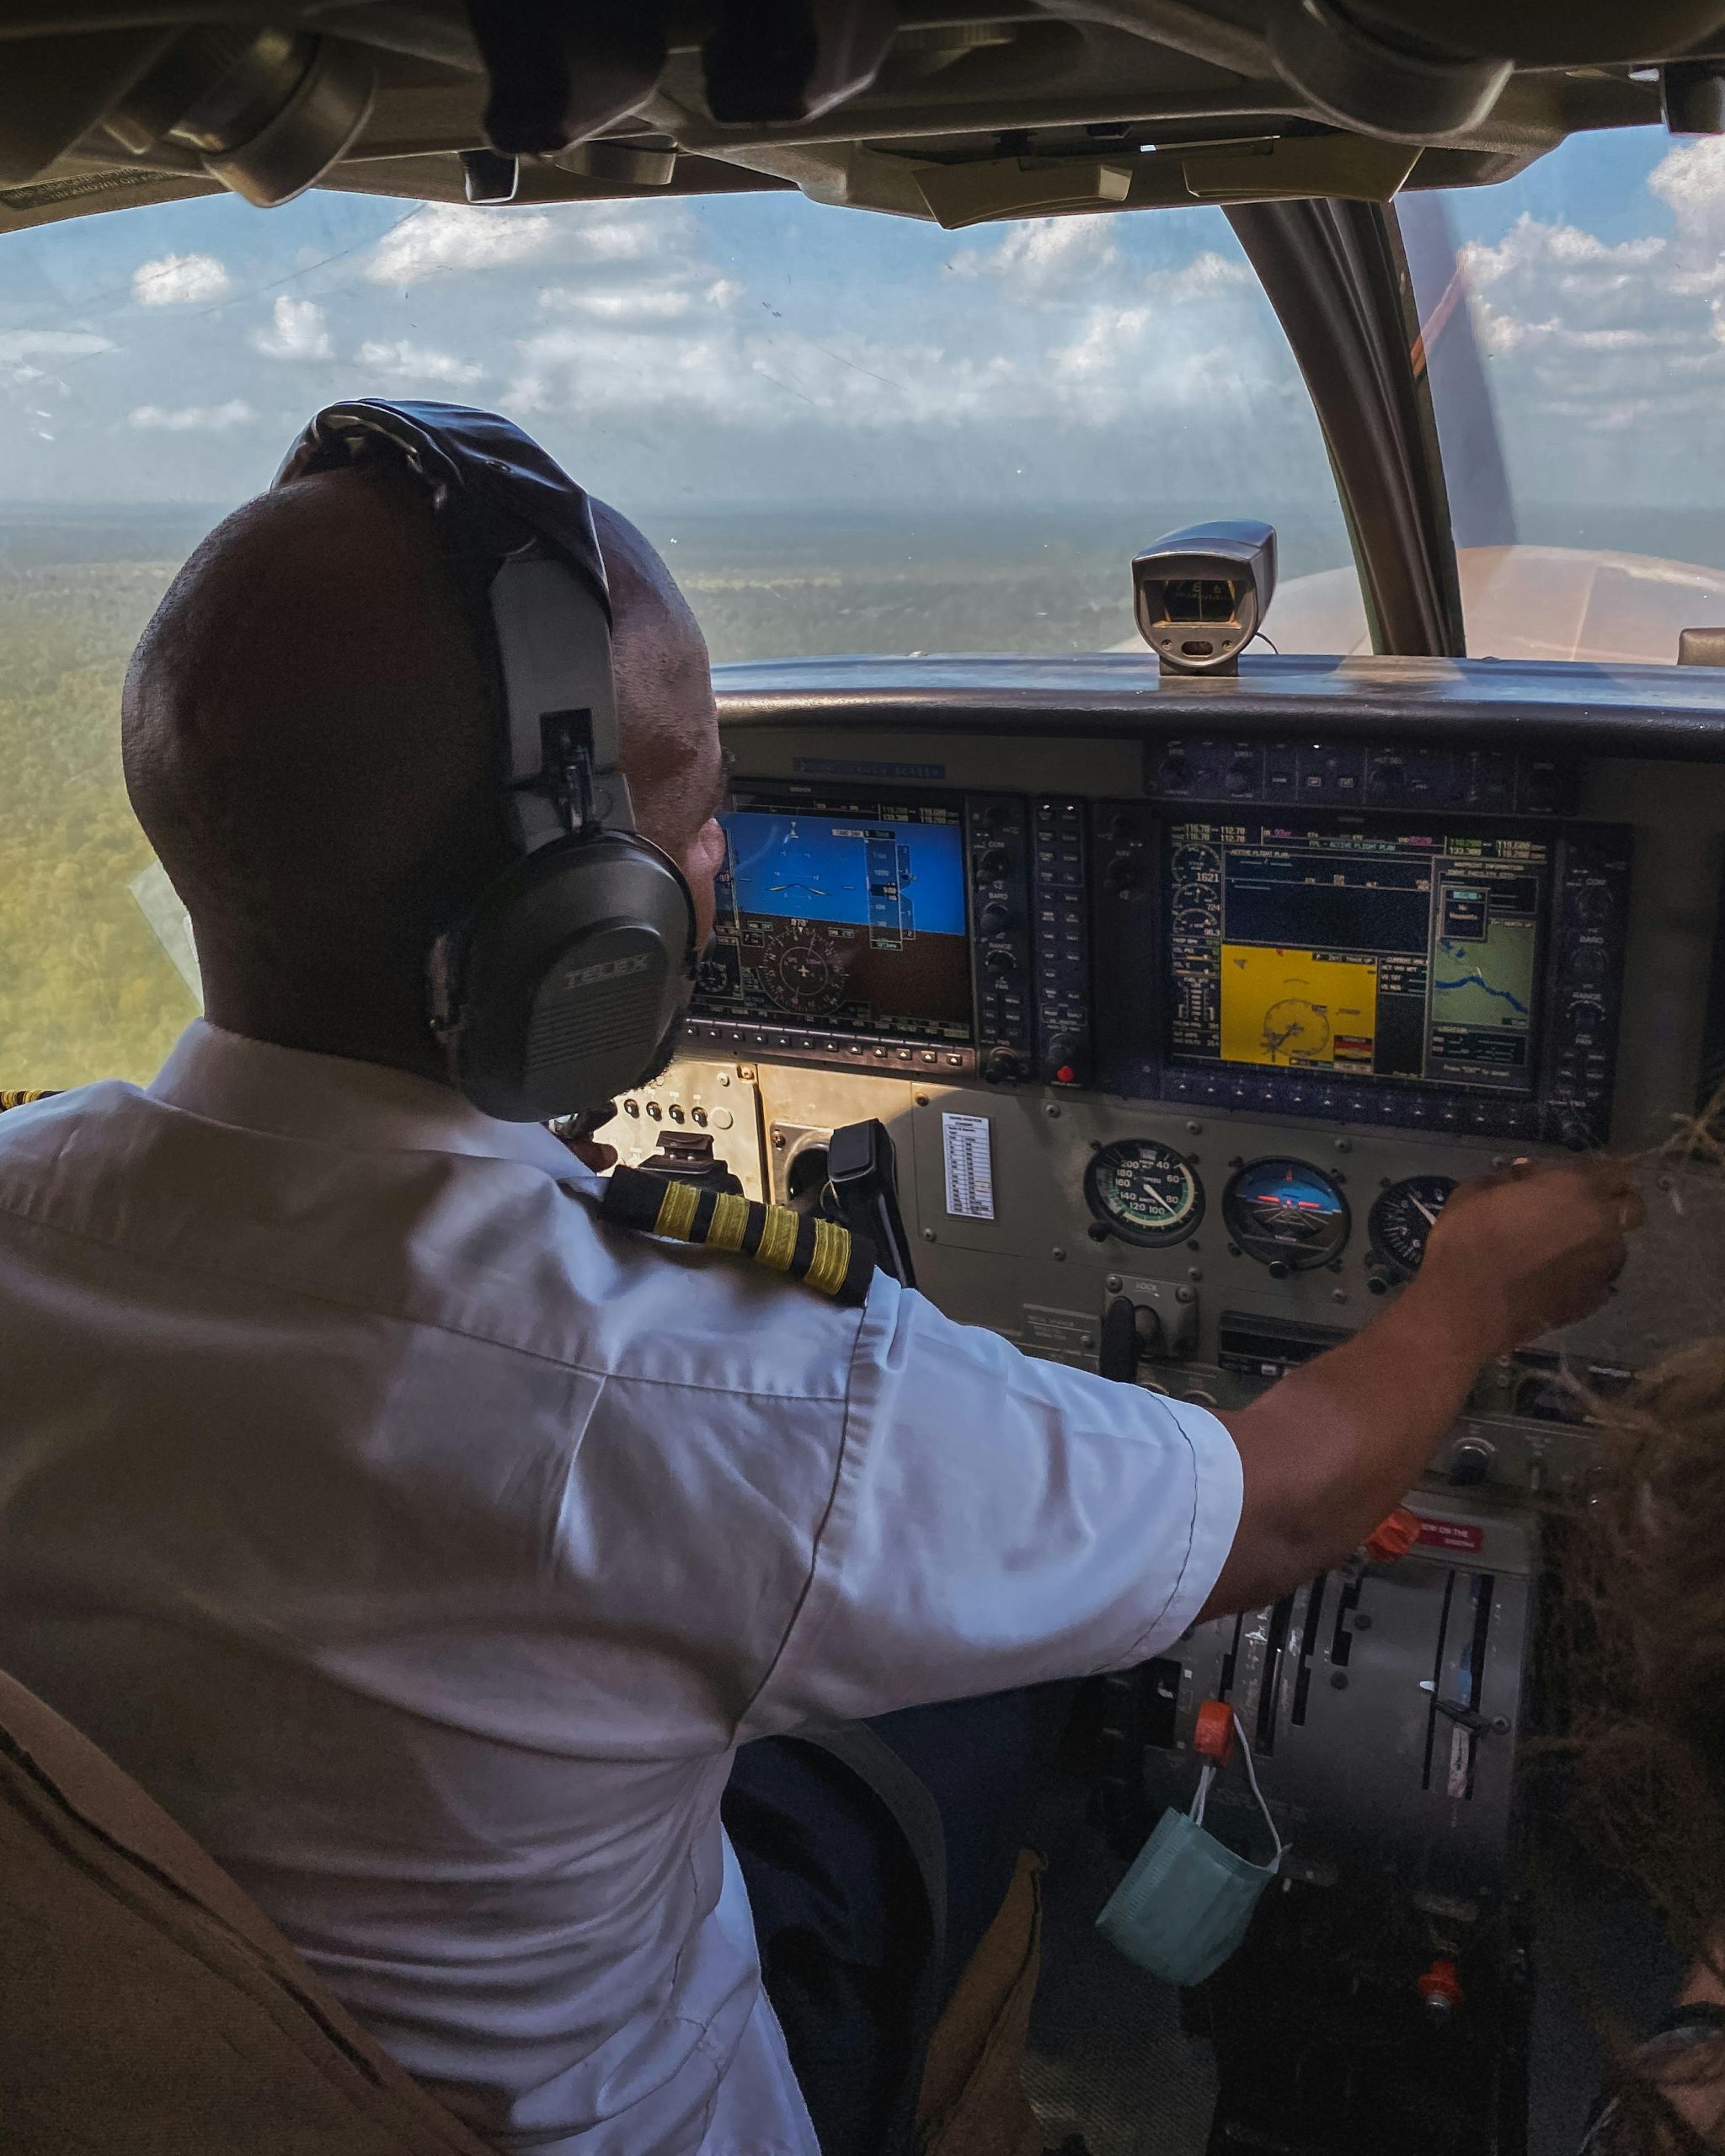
23, 1100
819, 1253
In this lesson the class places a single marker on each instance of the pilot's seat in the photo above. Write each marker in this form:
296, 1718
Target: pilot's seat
146, 2004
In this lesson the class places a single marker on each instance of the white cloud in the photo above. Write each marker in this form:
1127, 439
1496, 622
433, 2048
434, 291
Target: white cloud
191, 418
1044, 254
411, 362
20, 350
1206, 277
448, 238
1532, 245
299, 331
16, 345
180, 280
723, 291
648, 304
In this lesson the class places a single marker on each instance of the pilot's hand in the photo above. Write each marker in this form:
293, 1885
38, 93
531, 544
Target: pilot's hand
1531, 1249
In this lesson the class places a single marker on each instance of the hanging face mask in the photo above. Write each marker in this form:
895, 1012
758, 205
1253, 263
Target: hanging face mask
1184, 1906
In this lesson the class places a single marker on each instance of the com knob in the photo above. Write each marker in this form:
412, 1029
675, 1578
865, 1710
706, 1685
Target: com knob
1240, 776
1003, 1067
1173, 773
996, 918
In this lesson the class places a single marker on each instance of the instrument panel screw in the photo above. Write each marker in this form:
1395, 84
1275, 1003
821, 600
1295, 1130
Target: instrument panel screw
724, 1077
1058, 1255
1362, 1621
745, 1071
1183, 1294
1194, 1272
1193, 1129
1338, 1294
1500, 1723
1112, 1284
928, 1234
1051, 1107
778, 1141
1233, 1249
1339, 1680
1344, 1144
921, 1100
1238, 1160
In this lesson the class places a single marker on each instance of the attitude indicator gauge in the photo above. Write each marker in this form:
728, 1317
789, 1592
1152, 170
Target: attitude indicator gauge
1144, 1192
1286, 1214
1404, 1215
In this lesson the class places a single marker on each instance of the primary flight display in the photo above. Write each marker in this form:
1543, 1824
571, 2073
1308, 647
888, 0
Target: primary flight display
850, 923
1378, 952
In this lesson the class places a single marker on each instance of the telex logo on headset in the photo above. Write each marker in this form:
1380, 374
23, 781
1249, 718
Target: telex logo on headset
606, 969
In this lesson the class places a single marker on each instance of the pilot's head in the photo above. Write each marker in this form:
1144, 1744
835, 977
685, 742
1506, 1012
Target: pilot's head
310, 733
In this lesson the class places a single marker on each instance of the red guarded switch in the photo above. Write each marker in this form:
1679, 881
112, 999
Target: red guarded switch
1393, 1538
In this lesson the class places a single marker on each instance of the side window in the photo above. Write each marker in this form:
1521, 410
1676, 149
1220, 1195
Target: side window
1575, 331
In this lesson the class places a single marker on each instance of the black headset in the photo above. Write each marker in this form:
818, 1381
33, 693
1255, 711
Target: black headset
562, 983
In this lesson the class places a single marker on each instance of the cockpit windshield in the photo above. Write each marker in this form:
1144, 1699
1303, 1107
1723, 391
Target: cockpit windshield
845, 434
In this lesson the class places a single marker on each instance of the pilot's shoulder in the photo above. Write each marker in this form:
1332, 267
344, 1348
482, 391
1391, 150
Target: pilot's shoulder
819, 1253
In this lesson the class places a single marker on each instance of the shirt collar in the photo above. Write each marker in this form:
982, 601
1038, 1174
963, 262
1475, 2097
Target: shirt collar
334, 1099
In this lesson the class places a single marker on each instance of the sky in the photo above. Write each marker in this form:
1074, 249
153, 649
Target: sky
763, 352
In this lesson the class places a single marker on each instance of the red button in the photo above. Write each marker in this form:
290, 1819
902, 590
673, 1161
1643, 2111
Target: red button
1066, 1075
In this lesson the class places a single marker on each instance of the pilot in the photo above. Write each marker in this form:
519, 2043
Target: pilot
427, 1545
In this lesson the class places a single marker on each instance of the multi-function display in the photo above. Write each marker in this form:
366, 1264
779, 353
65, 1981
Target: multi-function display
1374, 952
849, 922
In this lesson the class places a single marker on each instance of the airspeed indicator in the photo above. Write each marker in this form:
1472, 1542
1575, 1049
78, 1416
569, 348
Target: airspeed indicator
1144, 1192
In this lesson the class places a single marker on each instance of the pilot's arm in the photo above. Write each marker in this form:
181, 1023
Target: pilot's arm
1329, 1451
997, 1521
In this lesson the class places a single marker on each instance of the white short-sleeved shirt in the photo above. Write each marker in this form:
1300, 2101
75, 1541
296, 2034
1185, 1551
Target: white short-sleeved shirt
425, 1547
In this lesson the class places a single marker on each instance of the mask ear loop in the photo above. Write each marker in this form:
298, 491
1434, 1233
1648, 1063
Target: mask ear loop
1207, 1775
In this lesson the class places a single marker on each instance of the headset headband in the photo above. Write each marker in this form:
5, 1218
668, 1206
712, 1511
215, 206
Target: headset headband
550, 603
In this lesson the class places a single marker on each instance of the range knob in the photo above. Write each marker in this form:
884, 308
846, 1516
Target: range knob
1003, 1067
996, 918
996, 861
1385, 782
1000, 959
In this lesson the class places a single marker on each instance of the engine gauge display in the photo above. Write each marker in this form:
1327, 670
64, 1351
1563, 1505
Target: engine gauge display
1144, 1192
1287, 1214
1403, 1217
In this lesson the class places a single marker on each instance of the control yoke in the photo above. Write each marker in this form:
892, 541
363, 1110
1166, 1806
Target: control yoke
1199, 596
862, 1194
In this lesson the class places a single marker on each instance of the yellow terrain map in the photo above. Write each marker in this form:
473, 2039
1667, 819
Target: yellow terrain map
1290, 1007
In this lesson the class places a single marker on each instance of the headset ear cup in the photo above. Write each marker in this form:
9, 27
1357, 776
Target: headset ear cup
570, 972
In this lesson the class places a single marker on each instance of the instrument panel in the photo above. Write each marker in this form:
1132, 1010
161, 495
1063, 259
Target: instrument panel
1429, 969
1209, 998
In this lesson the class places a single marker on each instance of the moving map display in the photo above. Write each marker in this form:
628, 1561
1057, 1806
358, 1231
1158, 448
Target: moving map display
1375, 953
843, 921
